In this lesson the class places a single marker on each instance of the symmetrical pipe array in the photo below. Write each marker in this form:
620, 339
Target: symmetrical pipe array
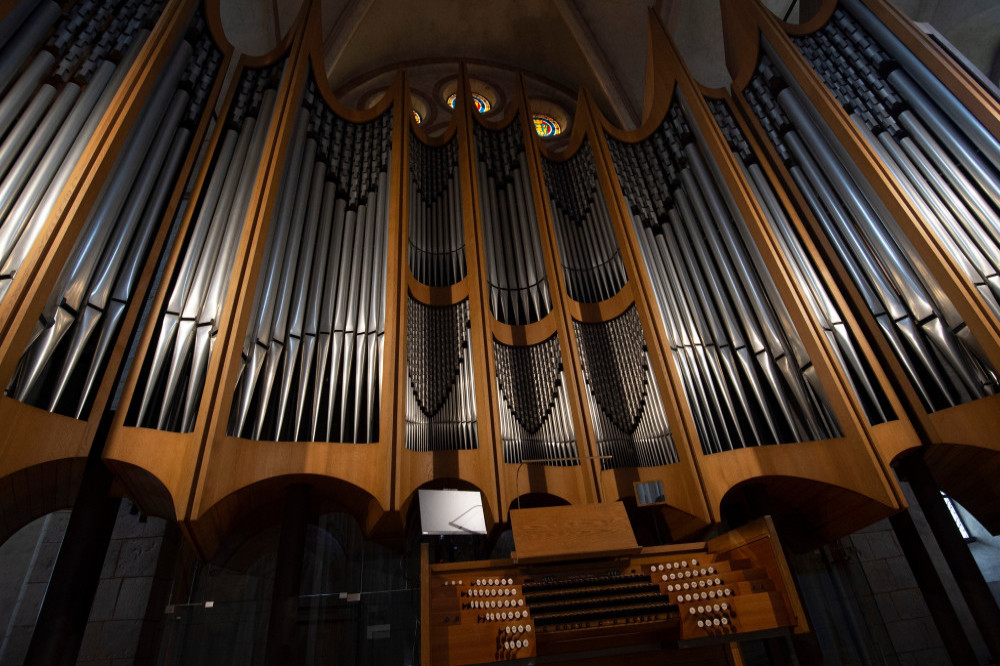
98, 280
436, 248
174, 373
535, 420
944, 362
956, 187
747, 376
312, 356
53, 97
824, 309
441, 396
625, 405
588, 250
519, 289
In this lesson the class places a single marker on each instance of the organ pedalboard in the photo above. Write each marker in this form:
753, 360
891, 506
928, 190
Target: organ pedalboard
660, 598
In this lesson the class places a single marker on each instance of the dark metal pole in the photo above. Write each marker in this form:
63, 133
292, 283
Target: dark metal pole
283, 644
963, 566
65, 608
956, 642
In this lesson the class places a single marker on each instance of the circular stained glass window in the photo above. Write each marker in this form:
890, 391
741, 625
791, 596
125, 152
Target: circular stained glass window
482, 104
546, 125
417, 116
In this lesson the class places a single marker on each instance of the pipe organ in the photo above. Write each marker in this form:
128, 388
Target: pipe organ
332, 295
927, 333
319, 310
441, 400
189, 323
535, 421
630, 425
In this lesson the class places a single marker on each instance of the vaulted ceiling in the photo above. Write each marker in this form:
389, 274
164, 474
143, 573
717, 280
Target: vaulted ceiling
596, 44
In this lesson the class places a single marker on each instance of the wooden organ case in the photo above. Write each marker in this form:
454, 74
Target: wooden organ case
554, 605
328, 296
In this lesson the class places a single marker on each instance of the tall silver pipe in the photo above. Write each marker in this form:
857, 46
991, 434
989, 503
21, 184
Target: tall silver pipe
104, 228
21, 92
43, 190
175, 302
321, 209
128, 274
26, 40
932, 85
26, 169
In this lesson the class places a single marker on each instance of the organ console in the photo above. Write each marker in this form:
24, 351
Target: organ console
556, 605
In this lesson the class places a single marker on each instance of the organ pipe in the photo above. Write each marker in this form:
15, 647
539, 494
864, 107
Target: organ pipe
187, 326
933, 344
518, 286
436, 249
589, 253
440, 399
85, 58
535, 418
745, 371
312, 357
97, 281
821, 303
625, 405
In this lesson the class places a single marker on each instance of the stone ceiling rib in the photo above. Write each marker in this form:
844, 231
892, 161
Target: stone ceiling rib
614, 91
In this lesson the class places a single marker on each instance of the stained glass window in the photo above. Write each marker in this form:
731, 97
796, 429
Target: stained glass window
546, 125
417, 116
482, 104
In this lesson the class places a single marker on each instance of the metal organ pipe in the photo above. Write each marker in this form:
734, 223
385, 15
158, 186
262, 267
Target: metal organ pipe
440, 398
189, 321
26, 39
436, 248
746, 373
313, 352
625, 405
589, 253
535, 420
944, 159
826, 313
80, 53
99, 276
944, 362
519, 292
